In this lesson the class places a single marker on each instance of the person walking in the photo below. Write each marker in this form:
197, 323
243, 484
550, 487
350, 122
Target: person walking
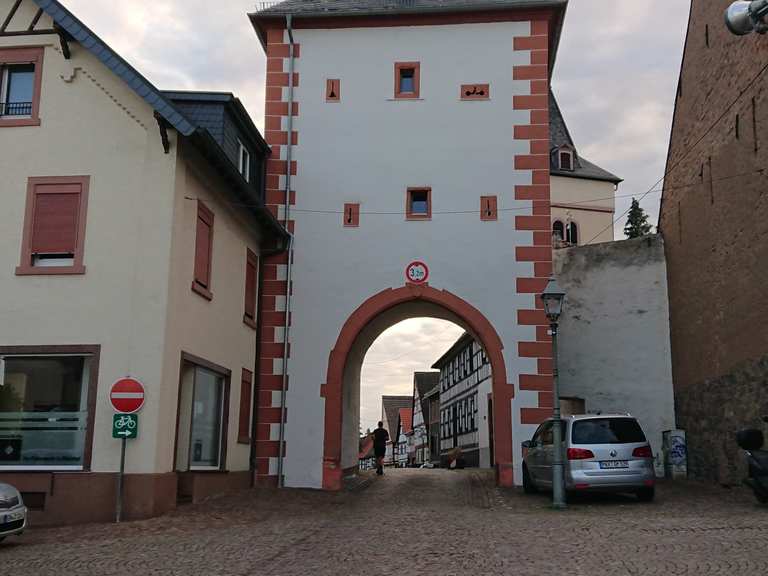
380, 439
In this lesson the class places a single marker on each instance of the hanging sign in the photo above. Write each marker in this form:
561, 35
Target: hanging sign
417, 273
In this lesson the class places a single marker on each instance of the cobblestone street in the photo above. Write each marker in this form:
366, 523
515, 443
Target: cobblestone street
416, 522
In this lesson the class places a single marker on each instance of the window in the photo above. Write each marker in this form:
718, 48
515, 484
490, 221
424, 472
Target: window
419, 204
203, 251
44, 416
244, 161
351, 215
20, 81
558, 232
407, 80
489, 208
53, 239
333, 90
244, 424
203, 413
251, 277
607, 431
566, 159
572, 234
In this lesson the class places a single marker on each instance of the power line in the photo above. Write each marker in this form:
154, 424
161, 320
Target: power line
690, 148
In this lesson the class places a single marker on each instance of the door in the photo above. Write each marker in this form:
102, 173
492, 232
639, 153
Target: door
205, 437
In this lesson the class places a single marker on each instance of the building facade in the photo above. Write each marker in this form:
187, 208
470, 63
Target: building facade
424, 383
390, 415
714, 219
126, 251
372, 79
466, 400
404, 438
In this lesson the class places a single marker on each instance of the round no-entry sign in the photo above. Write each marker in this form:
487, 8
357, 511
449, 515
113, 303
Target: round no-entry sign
127, 395
417, 273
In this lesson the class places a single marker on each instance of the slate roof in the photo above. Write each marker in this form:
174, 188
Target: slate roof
425, 382
317, 8
559, 136
390, 406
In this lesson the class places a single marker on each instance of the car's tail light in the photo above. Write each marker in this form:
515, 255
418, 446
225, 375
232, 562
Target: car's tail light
643, 452
579, 454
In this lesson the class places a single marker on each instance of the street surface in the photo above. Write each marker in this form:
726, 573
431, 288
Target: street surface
418, 522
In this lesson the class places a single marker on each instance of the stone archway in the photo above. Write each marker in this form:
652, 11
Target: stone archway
375, 307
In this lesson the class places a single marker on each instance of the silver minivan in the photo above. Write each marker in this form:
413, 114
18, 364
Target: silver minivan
605, 453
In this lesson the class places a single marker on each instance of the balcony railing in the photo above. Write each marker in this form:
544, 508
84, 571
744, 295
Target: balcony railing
15, 108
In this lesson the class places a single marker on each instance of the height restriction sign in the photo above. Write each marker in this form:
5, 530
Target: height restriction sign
127, 396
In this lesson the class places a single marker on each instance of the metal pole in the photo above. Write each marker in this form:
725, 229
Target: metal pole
558, 478
119, 505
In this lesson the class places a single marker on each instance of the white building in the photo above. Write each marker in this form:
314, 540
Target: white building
397, 116
466, 401
423, 384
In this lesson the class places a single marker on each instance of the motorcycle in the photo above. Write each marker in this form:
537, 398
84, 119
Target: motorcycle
752, 441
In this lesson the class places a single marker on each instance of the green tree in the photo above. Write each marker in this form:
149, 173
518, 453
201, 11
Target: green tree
637, 222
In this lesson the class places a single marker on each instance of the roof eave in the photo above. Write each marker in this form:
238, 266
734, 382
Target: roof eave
567, 174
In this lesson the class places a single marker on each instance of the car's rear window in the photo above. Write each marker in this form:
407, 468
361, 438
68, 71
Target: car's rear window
607, 431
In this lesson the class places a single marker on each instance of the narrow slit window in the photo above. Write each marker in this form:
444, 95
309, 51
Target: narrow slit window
351, 215
489, 208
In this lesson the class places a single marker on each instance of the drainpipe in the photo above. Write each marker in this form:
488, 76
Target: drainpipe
289, 275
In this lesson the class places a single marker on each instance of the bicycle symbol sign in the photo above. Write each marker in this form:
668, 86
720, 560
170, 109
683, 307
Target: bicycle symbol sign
125, 426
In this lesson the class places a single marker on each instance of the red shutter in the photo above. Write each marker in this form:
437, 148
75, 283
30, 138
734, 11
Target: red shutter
244, 424
251, 270
54, 223
203, 245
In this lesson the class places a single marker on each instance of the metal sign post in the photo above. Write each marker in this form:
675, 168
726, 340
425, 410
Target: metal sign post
124, 426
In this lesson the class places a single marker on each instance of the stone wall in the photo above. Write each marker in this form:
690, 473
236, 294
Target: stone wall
715, 412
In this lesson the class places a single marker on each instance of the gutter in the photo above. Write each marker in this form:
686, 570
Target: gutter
289, 275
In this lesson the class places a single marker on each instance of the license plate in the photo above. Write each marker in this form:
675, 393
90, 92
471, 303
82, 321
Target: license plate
611, 464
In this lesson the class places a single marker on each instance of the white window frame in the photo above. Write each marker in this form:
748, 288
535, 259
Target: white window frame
244, 166
4, 72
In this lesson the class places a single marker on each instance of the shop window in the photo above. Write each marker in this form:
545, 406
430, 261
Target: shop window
203, 251
44, 412
419, 204
407, 80
20, 82
53, 239
203, 412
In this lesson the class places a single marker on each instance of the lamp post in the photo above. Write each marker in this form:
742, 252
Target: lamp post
553, 298
743, 17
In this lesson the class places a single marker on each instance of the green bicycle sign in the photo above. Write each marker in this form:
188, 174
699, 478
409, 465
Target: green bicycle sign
125, 426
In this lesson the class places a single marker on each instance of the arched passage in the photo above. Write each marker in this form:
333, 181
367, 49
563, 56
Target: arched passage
375, 315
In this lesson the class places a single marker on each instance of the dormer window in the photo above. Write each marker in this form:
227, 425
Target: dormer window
245, 162
565, 157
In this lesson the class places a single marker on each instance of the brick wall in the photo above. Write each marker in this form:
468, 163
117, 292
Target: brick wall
714, 219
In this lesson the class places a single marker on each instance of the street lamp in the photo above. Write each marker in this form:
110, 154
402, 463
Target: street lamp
553, 298
743, 17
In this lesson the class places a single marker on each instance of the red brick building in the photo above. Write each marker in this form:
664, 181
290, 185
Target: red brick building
714, 218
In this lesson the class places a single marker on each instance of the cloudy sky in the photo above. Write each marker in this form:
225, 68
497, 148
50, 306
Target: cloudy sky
615, 79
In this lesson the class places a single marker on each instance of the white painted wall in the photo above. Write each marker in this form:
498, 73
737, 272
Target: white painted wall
614, 334
369, 149
588, 203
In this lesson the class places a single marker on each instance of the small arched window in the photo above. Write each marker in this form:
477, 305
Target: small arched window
558, 231
572, 233
566, 159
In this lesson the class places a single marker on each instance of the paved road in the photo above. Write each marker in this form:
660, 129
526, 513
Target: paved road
416, 522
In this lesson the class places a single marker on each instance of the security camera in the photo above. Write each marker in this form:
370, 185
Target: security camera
743, 17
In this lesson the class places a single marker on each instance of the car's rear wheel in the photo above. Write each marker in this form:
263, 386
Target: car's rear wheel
646, 494
528, 486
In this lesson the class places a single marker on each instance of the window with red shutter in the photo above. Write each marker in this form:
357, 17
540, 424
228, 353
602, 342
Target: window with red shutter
203, 250
244, 424
251, 277
54, 226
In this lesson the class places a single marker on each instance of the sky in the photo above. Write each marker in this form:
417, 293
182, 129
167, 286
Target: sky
615, 79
